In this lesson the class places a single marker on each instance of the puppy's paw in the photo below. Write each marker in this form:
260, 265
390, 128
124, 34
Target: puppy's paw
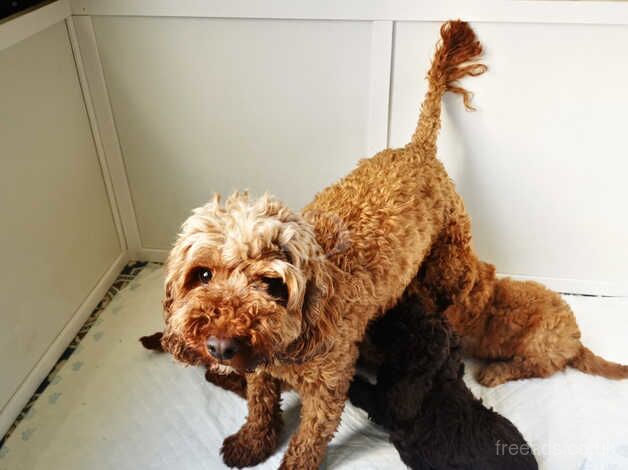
231, 382
247, 448
153, 342
493, 375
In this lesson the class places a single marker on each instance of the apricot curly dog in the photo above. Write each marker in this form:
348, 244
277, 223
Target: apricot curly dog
420, 396
526, 329
286, 297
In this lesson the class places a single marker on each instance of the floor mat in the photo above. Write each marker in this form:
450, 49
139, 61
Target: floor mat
129, 272
113, 405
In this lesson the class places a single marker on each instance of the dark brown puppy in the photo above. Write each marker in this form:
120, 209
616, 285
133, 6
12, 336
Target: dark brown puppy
434, 420
523, 328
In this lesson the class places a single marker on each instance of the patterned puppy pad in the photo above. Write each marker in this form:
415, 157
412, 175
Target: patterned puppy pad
113, 405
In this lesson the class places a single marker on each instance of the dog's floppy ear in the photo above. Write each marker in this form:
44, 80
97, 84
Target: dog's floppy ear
168, 299
318, 306
319, 315
173, 268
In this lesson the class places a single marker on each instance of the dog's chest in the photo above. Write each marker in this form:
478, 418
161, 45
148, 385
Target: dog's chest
298, 376
306, 377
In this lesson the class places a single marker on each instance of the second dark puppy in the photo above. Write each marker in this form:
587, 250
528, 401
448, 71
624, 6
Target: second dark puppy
434, 420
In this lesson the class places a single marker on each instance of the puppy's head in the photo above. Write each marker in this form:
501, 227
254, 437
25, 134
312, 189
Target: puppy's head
244, 283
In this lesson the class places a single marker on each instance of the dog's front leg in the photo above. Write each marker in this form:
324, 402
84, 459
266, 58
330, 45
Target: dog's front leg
257, 438
320, 416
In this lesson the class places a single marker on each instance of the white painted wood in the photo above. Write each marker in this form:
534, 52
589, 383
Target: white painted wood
379, 90
217, 105
542, 163
154, 255
17, 29
289, 106
105, 128
58, 236
508, 11
89, 106
577, 286
44, 365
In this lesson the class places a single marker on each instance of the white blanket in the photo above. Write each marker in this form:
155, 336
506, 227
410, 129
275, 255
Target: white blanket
114, 405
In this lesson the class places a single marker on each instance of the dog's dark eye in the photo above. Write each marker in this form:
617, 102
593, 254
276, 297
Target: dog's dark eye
276, 288
203, 275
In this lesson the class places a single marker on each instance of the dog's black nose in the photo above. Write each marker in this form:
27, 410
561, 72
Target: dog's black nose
222, 348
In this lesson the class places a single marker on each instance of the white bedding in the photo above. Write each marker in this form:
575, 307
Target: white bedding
114, 405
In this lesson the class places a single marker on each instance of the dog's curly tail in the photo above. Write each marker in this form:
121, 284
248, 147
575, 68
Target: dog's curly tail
453, 60
586, 361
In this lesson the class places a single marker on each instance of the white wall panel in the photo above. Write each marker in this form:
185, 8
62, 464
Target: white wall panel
58, 237
542, 164
205, 105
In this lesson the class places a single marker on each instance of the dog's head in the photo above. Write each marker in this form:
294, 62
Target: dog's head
245, 285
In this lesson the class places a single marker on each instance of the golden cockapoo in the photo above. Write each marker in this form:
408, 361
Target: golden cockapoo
526, 329
286, 297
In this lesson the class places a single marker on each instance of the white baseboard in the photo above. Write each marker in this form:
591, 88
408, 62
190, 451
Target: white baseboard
156, 255
576, 286
25, 391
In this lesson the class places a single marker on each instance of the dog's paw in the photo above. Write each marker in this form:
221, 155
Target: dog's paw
247, 448
493, 375
153, 342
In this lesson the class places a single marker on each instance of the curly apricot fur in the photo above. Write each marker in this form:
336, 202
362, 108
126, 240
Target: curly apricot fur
345, 259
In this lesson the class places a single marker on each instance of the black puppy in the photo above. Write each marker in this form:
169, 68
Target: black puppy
434, 420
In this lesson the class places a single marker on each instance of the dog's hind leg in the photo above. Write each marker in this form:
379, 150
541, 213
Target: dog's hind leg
497, 373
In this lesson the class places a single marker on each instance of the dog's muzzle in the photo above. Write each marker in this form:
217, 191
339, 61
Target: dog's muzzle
223, 349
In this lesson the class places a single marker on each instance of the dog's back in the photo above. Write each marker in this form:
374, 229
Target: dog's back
434, 420
386, 213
